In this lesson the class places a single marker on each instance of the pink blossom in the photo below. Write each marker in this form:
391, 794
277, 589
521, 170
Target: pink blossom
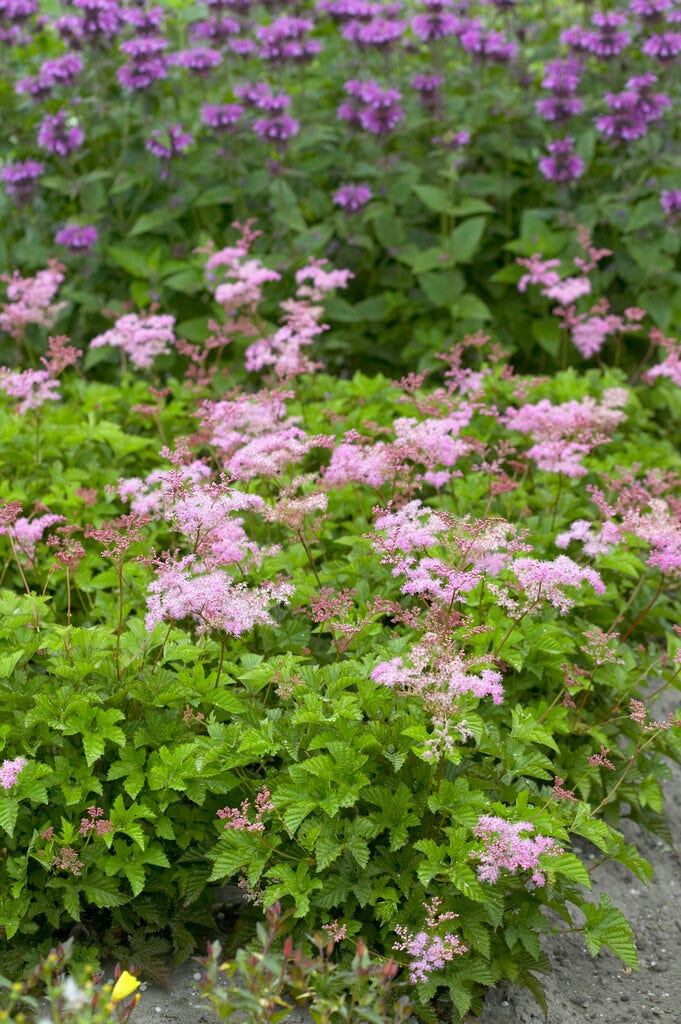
362, 461
427, 953
588, 336
230, 422
31, 299
247, 278
541, 271
545, 580
568, 290
439, 675
323, 281
11, 770
142, 338
269, 454
434, 442
565, 433
27, 532
33, 387
412, 526
507, 850
595, 540
95, 822
237, 817
183, 590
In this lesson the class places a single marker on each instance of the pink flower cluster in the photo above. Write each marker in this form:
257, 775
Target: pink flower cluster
506, 849
184, 589
472, 548
237, 817
10, 770
25, 533
540, 581
30, 300
426, 950
639, 510
141, 338
588, 330
565, 433
95, 822
283, 350
439, 675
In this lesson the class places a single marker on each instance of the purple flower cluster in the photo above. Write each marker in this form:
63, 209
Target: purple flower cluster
607, 38
562, 79
216, 29
146, 21
284, 40
200, 61
221, 117
62, 71
650, 11
428, 89
372, 108
59, 134
670, 200
147, 62
169, 142
486, 44
21, 179
100, 22
377, 34
353, 197
664, 47
631, 111
77, 238
438, 23
562, 164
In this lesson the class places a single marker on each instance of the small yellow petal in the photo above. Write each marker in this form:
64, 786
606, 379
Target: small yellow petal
125, 986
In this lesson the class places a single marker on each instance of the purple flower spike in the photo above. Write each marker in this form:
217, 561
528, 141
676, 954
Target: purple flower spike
57, 136
353, 197
21, 180
670, 200
563, 164
77, 238
169, 142
221, 117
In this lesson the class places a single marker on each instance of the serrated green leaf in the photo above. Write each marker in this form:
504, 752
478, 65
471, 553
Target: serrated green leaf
607, 926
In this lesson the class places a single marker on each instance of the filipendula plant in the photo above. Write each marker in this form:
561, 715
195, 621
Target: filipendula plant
377, 651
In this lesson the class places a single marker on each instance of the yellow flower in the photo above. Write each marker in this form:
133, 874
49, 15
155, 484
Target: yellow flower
125, 986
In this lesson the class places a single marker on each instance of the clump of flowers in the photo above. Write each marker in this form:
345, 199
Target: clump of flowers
10, 770
141, 338
506, 849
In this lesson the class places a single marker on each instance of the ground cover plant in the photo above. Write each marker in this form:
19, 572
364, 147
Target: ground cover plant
421, 144
377, 651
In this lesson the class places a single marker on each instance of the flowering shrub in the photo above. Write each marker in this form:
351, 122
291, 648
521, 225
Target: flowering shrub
357, 645
421, 145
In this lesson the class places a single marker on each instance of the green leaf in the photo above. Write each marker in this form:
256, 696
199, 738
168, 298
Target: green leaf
9, 809
136, 876
103, 892
8, 663
435, 199
132, 260
93, 745
571, 867
607, 926
465, 238
151, 221
470, 307
441, 286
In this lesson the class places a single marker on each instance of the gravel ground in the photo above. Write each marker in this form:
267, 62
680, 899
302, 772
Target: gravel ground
580, 990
